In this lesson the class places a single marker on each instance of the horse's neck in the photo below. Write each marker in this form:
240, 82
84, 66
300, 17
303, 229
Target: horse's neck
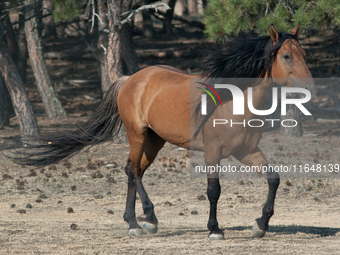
260, 92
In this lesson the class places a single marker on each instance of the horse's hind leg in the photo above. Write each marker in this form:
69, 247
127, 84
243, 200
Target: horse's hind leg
143, 150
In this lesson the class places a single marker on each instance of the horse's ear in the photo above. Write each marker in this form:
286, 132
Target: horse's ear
296, 30
274, 35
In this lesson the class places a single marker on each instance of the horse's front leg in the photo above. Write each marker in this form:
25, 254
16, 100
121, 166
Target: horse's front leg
261, 225
213, 192
257, 158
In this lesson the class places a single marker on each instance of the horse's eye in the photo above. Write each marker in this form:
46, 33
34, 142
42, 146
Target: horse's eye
286, 56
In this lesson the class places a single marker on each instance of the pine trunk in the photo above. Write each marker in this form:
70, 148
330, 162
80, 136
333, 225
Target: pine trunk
48, 23
167, 27
114, 44
5, 105
102, 47
293, 114
11, 41
129, 55
22, 105
128, 51
192, 5
53, 106
22, 54
185, 10
114, 53
147, 21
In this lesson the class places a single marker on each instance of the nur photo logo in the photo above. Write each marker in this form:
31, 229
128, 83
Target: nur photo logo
238, 103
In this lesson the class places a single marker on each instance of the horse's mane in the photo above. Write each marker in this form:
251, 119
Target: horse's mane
244, 56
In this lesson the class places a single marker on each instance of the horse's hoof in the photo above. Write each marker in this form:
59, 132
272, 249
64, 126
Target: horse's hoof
216, 236
150, 227
257, 232
135, 232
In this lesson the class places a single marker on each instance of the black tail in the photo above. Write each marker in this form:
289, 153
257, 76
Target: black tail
103, 125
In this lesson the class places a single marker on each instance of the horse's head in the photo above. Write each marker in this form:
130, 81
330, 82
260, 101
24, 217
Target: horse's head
289, 67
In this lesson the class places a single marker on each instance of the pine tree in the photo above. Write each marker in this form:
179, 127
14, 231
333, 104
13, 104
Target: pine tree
53, 106
66, 9
21, 103
225, 17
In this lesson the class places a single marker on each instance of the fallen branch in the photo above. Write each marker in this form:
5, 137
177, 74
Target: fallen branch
89, 97
332, 95
67, 99
326, 113
180, 52
68, 56
77, 82
169, 53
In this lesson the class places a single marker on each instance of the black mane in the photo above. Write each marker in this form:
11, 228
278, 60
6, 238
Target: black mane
239, 57
244, 57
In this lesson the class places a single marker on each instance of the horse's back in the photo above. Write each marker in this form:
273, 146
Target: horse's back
158, 97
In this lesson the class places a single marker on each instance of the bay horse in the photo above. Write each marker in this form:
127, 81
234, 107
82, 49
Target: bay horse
153, 104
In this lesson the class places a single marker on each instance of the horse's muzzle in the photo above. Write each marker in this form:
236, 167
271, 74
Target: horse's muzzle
306, 83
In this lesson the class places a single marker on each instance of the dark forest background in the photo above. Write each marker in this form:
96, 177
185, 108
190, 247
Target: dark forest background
59, 57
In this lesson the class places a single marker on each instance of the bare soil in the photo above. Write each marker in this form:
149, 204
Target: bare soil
306, 219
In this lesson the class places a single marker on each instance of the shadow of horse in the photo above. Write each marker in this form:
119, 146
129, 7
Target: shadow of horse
293, 229
286, 230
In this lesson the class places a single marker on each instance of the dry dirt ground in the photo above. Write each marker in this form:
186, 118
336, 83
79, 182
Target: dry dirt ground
306, 219
35, 214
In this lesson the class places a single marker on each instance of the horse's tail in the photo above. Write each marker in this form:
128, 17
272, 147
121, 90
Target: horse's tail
103, 125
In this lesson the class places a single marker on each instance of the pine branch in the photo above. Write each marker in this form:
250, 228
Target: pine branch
132, 13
